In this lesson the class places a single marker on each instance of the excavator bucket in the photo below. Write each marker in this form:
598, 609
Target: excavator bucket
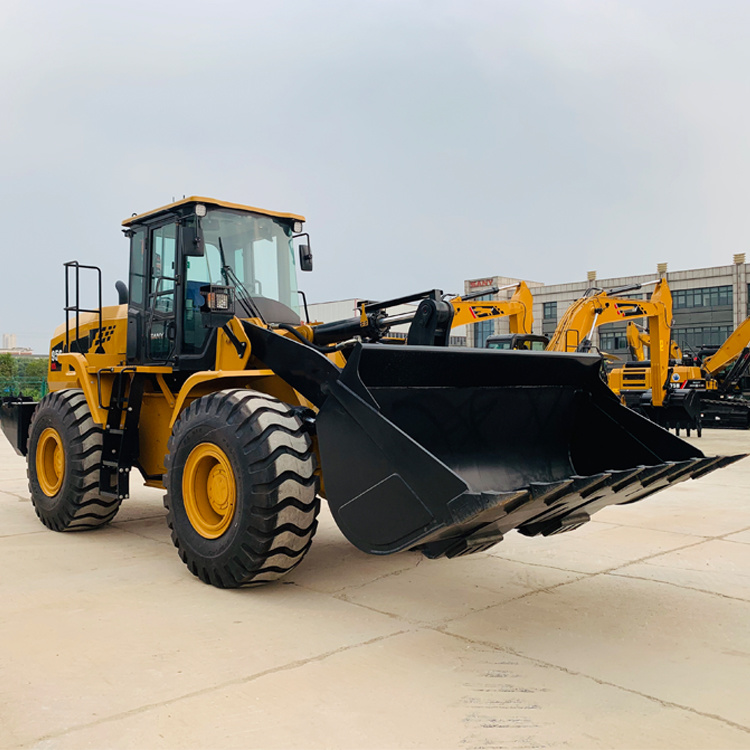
446, 450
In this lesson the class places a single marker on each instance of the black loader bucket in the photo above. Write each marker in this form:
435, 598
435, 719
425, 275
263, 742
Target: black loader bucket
446, 450
15, 417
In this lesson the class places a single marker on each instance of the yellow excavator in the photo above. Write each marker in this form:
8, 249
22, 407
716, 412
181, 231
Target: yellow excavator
639, 340
207, 382
649, 387
713, 376
634, 382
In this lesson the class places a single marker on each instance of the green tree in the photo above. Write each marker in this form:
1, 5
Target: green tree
8, 371
31, 377
8, 366
33, 367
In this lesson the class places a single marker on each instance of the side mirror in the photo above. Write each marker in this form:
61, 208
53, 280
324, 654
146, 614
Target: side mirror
305, 256
192, 240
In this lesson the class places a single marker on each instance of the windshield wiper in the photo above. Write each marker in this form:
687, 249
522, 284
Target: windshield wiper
243, 296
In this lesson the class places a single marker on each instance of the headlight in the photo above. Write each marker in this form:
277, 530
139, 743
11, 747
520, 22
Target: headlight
219, 299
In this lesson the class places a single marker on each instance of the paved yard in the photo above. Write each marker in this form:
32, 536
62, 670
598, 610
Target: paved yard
632, 632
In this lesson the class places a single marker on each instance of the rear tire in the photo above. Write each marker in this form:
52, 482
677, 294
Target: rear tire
63, 459
241, 488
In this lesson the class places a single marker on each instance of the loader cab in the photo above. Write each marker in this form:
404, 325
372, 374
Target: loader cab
518, 341
180, 250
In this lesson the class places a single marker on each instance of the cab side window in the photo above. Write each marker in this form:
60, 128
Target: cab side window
199, 272
163, 244
161, 304
138, 266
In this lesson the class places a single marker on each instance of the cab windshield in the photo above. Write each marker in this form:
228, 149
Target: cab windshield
257, 248
498, 344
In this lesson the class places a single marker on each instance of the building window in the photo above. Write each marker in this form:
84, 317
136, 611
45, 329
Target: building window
549, 310
691, 339
609, 341
709, 296
485, 328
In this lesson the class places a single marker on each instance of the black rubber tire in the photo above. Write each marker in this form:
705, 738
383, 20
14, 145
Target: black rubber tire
77, 505
273, 463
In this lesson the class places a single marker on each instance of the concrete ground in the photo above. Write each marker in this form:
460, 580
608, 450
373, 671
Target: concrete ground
632, 632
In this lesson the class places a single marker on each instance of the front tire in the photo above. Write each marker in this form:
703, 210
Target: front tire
64, 458
241, 488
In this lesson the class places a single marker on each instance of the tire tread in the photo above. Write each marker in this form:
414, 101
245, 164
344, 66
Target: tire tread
280, 519
76, 509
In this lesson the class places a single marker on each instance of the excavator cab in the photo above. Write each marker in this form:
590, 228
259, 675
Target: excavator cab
517, 341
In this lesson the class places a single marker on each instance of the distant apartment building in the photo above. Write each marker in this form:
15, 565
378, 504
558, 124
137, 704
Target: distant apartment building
10, 346
708, 304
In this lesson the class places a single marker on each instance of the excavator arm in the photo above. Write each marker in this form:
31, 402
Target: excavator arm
638, 340
730, 350
598, 307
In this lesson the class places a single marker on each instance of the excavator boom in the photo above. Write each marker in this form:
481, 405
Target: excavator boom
730, 350
518, 310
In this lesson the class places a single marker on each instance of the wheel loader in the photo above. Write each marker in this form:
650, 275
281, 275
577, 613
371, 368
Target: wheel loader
205, 379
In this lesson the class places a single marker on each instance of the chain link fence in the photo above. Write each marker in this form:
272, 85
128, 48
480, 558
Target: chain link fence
11, 385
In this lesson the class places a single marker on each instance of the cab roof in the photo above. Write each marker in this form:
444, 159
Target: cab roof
211, 202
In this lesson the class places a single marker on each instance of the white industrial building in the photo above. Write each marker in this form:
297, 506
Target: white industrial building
709, 303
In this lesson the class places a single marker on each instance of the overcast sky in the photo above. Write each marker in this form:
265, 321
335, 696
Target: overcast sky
425, 142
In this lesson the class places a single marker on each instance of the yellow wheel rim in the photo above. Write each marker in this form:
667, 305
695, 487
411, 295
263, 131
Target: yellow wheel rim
50, 462
209, 491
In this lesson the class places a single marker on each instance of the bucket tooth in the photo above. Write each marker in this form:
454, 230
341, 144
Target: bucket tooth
479, 541
548, 493
617, 481
683, 470
625, 477
649, 480
480, 531
586, 486
715, 462
578, 490
568, 522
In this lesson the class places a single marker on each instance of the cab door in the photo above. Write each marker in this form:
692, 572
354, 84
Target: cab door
161, 312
